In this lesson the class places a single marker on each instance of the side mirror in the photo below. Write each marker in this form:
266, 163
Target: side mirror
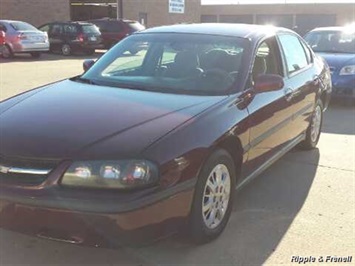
268, 82
87, 64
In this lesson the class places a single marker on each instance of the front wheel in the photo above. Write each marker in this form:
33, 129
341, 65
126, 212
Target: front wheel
66, 49
7, 52
213, 199
314, 129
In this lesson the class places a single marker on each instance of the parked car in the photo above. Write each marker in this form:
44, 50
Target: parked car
2, 40
337, 46
115, 30
22, 37
69, 37
140, 145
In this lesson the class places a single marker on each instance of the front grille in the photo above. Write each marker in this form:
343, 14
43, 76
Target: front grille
344, 91
26, 172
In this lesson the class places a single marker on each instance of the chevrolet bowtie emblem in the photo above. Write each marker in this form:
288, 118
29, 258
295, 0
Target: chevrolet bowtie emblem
4, 169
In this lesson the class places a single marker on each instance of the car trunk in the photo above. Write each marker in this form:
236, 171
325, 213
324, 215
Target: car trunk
32, 36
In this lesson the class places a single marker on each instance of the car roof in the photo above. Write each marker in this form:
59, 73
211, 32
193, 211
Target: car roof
11, 21
113, 19
71, 22
223, 29
336, 28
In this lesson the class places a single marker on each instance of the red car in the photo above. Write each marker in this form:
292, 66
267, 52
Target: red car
115, 30
2, 37
2, 40
139, 146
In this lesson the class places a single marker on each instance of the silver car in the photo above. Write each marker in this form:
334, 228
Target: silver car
22, 37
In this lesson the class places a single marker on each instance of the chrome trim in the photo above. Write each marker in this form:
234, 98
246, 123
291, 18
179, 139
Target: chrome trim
71, 241
18, 170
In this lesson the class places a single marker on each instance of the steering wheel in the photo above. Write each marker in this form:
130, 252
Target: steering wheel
220, 74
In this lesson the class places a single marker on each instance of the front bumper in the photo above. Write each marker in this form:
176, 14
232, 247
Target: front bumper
107, 221
343, 86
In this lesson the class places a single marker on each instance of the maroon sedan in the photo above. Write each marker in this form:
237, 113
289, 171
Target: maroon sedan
140, 146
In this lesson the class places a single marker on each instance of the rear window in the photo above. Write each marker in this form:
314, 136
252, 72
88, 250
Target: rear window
22, 26
135, 26
90, 29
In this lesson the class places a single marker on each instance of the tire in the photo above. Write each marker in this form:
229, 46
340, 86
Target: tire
7, 52
314, 129
201, 229
66, 49
36, 54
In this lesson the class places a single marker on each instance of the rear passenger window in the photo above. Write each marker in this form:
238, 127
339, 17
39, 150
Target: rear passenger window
267, 59
113, 26
296, 58
57, 29
70, 29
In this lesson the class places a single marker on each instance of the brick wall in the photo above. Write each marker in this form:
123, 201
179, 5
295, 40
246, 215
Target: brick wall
36, 12
158, 11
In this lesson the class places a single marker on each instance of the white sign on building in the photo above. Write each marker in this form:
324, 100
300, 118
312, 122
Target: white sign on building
177, 6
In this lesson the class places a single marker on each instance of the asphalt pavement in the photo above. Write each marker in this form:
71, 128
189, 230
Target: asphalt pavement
303, 207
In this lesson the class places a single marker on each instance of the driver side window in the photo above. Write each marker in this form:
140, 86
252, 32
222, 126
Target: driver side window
267, 59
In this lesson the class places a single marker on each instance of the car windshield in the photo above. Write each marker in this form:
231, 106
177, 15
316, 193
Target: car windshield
331, 41
172, 63
22, 26
90, 29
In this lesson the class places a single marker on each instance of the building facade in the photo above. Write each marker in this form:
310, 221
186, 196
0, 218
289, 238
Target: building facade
301, 17
36, 12
153, 13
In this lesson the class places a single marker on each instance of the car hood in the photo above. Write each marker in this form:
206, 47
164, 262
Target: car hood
338, 60
69, 119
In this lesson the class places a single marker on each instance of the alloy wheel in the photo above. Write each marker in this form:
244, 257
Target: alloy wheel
66, 50
6, 52
216, 196
316, 123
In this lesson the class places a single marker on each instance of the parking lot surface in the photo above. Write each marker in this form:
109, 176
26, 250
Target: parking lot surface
304, 205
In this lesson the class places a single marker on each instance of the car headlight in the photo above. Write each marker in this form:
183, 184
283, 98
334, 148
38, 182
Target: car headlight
121, 174
347, 70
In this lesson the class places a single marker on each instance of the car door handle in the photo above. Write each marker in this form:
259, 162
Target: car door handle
288, 94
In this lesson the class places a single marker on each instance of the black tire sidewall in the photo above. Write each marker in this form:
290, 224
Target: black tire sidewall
70, 51
199, 232
308, 143
10, 55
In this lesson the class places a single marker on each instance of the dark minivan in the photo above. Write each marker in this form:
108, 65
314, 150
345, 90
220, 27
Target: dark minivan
69, 37
114, 30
